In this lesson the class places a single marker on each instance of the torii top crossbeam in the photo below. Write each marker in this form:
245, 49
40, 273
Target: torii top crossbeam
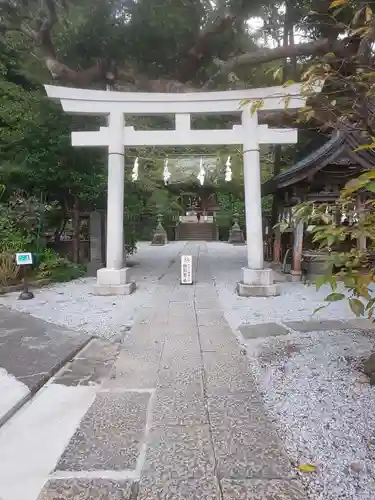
101, 102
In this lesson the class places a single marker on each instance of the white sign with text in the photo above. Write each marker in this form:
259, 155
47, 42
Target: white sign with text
24, 258
186, 270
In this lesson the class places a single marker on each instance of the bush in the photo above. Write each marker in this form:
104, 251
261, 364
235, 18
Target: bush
9, 271
58, 269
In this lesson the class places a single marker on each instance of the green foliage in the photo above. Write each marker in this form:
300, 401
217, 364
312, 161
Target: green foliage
58, 269
352, 264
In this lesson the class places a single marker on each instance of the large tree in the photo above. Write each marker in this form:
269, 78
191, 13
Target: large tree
187, 45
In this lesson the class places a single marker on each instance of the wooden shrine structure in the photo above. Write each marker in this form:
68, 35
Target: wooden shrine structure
318, 177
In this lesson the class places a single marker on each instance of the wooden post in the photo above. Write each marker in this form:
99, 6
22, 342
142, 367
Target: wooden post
277, 245
276, 236
362, 240
297, 249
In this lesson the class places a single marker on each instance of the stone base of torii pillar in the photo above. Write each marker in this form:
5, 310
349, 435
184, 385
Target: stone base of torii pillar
114, 282
257, 283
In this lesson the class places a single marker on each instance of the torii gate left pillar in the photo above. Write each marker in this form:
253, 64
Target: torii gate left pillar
114, 279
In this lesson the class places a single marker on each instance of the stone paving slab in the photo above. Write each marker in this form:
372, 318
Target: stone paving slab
262, 330
32, 349
110, 435
179, 452
31, 352
91, 366
227, 372
262, 490
134, 370
245, 442
217, 339
179, 407
315, 326
86, 489
360, 323
179, 489
181, 373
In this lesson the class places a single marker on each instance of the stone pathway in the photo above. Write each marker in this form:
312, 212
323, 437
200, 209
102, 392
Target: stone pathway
172, 412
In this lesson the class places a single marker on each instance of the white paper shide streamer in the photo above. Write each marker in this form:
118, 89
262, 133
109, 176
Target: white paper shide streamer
228, 170
166, 173
202, 173
135, 170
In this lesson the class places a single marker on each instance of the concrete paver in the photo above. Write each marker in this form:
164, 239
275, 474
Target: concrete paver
87, 489
262, 490
315, 326
262, 330
109, 436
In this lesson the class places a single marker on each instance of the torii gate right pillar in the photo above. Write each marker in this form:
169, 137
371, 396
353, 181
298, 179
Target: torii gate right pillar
256, 281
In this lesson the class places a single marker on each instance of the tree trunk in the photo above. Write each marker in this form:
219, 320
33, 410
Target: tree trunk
76, 231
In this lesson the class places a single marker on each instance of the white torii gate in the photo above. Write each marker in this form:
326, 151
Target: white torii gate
114, 279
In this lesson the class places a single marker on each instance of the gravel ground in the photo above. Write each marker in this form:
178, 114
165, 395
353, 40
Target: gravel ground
295, 302
74, 305
323, 408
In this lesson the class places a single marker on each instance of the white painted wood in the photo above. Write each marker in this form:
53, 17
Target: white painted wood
115, 201
182, 121
103, 102
184, 136
252, 184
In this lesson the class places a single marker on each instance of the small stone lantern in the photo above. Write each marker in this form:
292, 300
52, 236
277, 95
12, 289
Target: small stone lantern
160, 234
236, 236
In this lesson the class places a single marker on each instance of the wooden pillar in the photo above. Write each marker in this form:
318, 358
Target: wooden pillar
276, 234
361, 240
297, 249
277, 245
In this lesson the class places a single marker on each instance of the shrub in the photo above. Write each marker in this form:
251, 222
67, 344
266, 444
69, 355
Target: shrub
9, 271
57, 268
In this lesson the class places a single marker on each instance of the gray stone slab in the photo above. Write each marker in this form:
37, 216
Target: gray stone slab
33, 350
207, 303
315, 326
181, 345
182, 373
210, 317
179, 407
91, 366
135, 370
359, 323
110, 434
218, 339
150, 341
258, 489
179, 452
227, 372
262, 330
86, 489
246, 444
179, 489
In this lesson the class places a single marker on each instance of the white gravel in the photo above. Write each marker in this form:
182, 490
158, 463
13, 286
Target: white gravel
324, 410
295, 302
74, 305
